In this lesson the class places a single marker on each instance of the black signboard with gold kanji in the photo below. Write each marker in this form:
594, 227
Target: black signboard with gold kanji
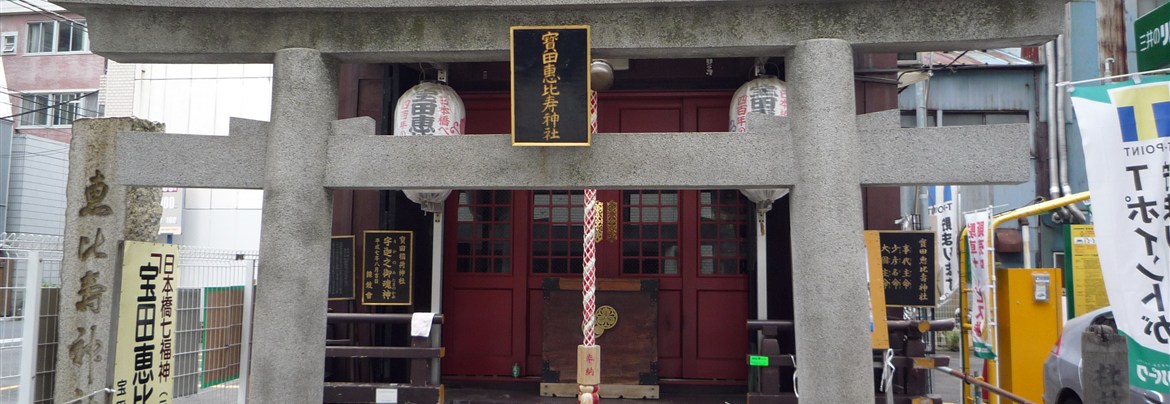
341, 266
550, 86
908, 268
387, 267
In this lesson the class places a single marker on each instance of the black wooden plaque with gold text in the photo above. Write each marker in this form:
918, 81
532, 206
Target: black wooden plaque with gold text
550, 86
387, 267
908, 268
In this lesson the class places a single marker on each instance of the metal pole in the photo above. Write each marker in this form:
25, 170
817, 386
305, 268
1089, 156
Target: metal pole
32, 319
1053, 157
964, 322
1061, 136
1026, 235
992, 375
246, 334
437, 289
437, 263
984, 385
761, 266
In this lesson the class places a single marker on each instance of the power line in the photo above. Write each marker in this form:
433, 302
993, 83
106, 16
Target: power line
49, 13
41, 153
25, 132
39, 128
47, 153
48, 107
21, 95
28, 128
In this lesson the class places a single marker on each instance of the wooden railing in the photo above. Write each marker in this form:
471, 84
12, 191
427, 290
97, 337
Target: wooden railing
767, 391
421, 388
910, 361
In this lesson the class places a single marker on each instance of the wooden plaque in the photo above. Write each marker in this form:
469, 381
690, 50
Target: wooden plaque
387, 268
550, 85
908, 268
341, 267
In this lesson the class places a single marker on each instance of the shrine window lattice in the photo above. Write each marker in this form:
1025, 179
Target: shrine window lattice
484, 232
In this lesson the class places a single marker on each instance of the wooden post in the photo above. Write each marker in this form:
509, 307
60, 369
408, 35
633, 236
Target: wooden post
420, 368
1111, 36
770, 376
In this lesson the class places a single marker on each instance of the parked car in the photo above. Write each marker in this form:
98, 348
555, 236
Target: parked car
1062, 369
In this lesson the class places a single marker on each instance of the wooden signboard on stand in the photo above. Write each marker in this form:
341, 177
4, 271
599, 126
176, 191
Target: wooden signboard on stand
627, 330
879, 328
908, 268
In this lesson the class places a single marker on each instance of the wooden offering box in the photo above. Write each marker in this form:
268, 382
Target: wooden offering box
627, 333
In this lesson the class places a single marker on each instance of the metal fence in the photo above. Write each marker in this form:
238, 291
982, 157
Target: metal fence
215, 298
949, 310
30, 275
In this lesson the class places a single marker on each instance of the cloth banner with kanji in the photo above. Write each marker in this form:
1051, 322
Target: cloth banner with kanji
978, 227
1125, 128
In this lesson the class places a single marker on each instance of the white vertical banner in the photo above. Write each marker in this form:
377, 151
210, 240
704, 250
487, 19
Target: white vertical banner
944, 208
1125, 128
978, 228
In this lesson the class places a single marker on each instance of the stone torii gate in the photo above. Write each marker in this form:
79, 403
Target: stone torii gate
823, 152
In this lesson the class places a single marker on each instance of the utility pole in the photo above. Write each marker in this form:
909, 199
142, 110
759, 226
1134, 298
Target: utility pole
1111, 50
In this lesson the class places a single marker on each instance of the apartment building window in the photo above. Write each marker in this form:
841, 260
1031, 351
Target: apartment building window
56, 109
8, 43
56, 37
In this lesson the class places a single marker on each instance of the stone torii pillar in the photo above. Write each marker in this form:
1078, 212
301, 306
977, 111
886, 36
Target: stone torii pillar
828, 259
819, 153
296, 226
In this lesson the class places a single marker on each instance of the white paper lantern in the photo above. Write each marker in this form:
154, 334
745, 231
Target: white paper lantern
429, 109
764, 95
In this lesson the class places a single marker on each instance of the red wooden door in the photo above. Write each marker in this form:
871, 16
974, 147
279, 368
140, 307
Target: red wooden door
484, 279
694, 242
501, 244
